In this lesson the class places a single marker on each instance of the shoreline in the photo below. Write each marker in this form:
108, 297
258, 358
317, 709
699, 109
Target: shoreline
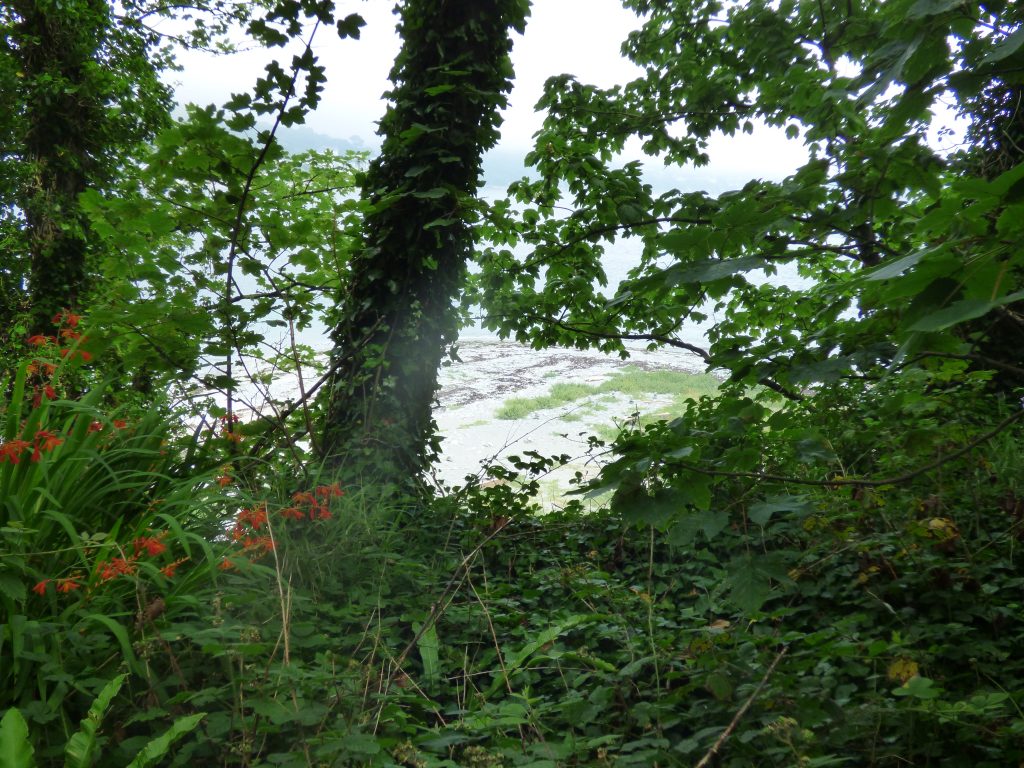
492, 371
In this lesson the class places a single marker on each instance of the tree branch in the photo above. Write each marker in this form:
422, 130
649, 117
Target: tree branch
704, 761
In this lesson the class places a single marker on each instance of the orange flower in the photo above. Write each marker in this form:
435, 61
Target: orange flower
292, 513
120, 423
41, 366
110, 569
48, 439
326, 491
11, 450
255, 518
224, 480
50, 392
151, 545
226, 565
39, 340
257, 546
67, 585
40, 588
169, 570
86, 356
320, 513
96, 426
66, 317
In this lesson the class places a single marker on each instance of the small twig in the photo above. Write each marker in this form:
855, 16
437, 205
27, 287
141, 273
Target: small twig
742, 711
494, 636
268, 401
284, 602
310, 391
302, 386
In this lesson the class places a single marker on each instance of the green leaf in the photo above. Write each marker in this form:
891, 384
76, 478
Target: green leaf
748, 588
813, 447
350, 26
12, 586
15, 748
761, 512
515, 660
961, 311
899, 266
431, 194
428, 646
710, 270
707, 521
750, 579
158, 747
80, 751
932, 7
1006, 47
919, 688
361, 744
720, 685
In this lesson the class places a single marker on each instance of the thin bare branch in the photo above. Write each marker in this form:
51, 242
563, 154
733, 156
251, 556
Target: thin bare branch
704, 761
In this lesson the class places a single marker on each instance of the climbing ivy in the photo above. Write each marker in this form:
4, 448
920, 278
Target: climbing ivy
395, 314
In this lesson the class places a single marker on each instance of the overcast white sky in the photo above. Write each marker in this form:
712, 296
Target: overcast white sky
581, 37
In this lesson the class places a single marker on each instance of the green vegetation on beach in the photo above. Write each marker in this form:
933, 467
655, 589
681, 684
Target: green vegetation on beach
632, 382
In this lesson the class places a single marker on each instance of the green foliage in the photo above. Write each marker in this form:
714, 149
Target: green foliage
813, 563
15, 748
81, 91
98, 514
81, 747
881, 225
177, 218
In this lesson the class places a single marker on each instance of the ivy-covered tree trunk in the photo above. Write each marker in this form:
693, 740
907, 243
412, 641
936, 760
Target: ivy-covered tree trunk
79, 89
57, 47
397, 314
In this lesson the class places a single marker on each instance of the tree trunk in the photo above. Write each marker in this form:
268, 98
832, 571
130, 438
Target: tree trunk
396, 315
57, 47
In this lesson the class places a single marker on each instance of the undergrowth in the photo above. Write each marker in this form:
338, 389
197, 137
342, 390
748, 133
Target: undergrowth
289, 621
